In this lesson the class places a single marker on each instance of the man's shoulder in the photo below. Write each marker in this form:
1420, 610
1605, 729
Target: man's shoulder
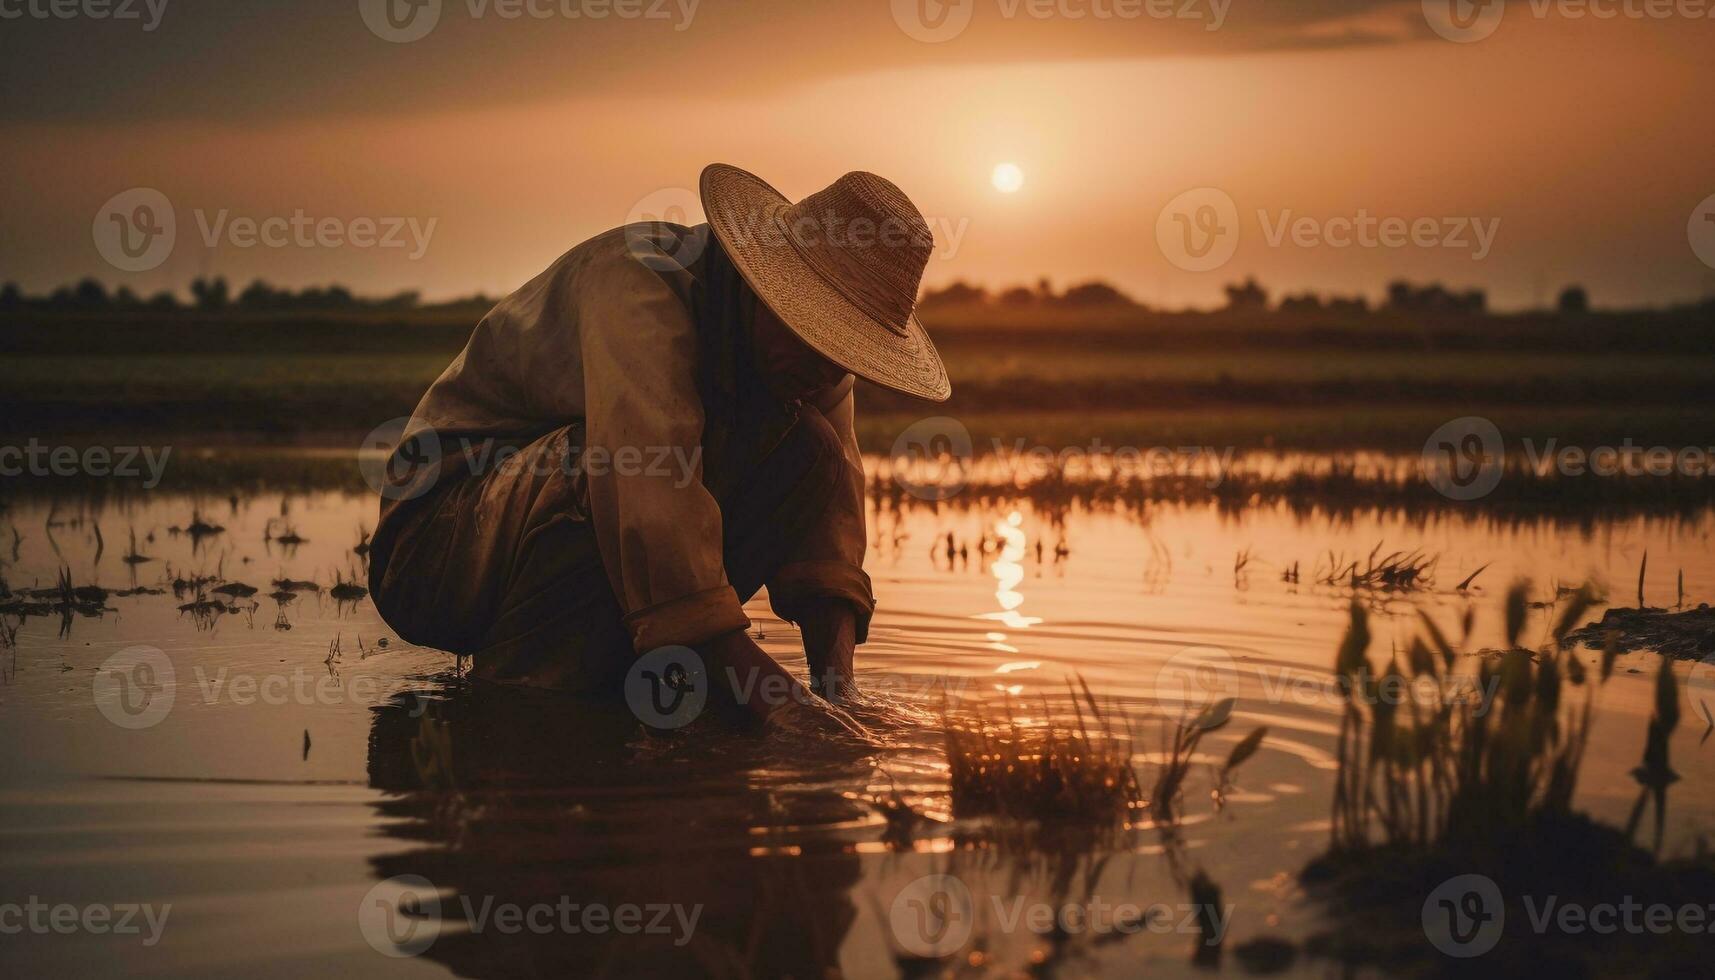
635, 252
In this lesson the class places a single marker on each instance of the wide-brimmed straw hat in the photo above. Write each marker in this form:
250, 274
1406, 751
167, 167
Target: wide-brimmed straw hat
841, 268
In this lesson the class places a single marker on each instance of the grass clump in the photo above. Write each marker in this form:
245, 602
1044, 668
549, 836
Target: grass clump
1466, 756
1003, 765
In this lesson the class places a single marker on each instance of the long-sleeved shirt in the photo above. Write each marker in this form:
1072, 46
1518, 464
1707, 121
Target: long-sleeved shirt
601, 337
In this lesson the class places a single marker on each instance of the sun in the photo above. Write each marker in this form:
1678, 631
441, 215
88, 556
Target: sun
1007, 178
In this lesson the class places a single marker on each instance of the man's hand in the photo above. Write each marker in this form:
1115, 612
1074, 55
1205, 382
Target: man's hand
830, 639
754, 684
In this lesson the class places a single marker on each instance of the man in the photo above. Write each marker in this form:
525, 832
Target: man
640, 438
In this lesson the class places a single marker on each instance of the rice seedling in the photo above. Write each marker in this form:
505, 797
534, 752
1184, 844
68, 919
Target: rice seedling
1473, 757
1398, 571
346, 589
1000, 764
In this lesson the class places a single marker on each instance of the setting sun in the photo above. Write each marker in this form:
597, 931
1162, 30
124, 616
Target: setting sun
1007, 178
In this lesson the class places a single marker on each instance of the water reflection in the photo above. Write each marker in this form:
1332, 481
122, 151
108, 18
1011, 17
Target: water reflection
522, 800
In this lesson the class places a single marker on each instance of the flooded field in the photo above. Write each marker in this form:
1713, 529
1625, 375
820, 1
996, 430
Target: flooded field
232, 742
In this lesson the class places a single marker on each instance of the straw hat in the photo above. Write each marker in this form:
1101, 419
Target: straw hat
841, 268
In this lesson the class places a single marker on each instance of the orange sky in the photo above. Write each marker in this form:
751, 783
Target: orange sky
1586, 140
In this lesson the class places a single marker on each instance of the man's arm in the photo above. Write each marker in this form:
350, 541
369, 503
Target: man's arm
822, 587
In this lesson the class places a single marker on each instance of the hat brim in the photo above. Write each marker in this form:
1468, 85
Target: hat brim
737, 204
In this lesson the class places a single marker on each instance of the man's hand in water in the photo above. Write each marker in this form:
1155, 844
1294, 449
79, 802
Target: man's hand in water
830, 638
750, 683
757, 692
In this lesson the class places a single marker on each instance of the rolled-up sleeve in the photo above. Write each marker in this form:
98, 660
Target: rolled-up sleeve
827, 561
658, 528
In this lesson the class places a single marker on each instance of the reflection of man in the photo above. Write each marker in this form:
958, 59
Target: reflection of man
478, 792
674, 407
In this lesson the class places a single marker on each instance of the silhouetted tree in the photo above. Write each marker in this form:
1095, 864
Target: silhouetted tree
1301, 303
1018, 296
1247, 295
1434, 298
11, 297
1573, 301
1092, 295
210, 295
957, 294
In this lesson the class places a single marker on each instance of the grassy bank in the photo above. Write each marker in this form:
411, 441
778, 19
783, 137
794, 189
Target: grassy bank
1208, 379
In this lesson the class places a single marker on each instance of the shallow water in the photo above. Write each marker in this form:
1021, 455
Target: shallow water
285, 789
